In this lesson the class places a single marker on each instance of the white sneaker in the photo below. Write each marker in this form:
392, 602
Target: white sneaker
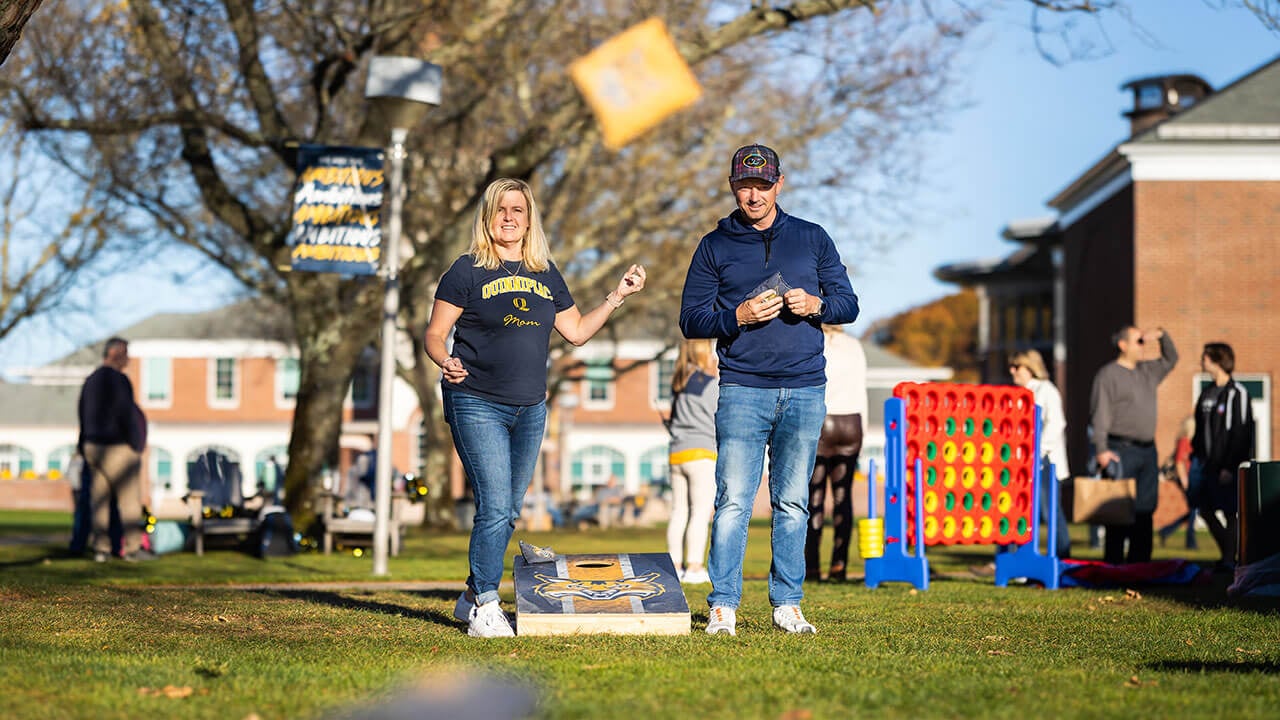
462, 609
789, 618
695, 577
488, 621
722, 621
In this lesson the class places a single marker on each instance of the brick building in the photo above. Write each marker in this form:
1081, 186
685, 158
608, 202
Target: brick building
1174, 227
225, 380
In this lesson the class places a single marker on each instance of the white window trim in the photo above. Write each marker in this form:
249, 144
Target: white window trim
214, 402
282, 402
655, 377
606, 404
147, 402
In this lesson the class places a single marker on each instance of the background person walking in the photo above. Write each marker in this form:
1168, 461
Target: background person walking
1123, 416
695, 390
1028, 370
1223, 439
112, 437
838, 448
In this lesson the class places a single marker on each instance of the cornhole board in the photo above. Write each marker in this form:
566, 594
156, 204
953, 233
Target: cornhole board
621, 594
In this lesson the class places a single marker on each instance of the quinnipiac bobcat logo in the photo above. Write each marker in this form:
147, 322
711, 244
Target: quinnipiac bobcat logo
555, 588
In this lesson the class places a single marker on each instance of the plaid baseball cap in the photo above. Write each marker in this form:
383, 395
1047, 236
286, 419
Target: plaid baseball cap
755, 161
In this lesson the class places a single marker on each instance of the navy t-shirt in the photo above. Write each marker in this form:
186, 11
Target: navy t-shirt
504, 331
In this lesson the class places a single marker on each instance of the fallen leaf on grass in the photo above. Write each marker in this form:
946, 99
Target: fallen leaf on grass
1132, 595
1188, 642
797, 714
1135, 682
513, 654
993, 637
222, 618
999, 652
913, 591
1249, 652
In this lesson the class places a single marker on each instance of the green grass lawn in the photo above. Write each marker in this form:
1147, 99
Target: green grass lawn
86, 640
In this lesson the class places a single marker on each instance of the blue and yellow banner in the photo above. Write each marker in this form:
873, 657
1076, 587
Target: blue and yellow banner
336, 210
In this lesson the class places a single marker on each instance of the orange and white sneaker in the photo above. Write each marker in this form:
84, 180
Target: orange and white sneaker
790, 619
722, 621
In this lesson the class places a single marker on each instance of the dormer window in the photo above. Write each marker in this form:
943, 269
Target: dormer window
1150, 97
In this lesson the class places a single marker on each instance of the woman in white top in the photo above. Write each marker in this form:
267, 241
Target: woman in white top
1028, 370
838, 448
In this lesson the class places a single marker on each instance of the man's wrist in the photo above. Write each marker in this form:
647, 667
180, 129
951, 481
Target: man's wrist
822, 305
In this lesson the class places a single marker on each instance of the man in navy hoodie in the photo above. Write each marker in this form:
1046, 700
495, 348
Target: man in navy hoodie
762, 283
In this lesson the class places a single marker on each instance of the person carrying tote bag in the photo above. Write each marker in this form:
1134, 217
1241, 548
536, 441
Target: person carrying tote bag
1106, 499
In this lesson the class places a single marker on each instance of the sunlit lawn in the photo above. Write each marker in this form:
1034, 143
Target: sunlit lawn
79, 639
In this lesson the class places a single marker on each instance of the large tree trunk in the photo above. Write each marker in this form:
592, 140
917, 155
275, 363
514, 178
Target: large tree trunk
14, 15
335, 320
425, 378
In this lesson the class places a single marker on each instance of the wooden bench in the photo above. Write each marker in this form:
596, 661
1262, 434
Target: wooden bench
333, 516
201, 525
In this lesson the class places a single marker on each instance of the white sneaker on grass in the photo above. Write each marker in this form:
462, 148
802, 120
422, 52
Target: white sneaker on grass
722, 621
789, 618
695, 577
488, 621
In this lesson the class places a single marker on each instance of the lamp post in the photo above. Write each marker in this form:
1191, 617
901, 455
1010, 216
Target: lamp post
399, 89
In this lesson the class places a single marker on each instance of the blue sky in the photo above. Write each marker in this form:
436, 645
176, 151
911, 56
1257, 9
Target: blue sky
1026, 130
1030, 127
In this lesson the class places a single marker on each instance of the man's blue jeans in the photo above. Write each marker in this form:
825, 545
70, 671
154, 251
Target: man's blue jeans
787, 421
499, 446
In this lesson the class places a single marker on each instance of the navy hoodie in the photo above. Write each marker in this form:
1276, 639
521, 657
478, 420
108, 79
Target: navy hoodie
733, 260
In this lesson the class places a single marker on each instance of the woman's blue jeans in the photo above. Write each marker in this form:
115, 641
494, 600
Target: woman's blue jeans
787, 421
499, 446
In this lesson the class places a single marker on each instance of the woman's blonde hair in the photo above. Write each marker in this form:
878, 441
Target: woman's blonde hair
537, 254
694, 355
1031, 360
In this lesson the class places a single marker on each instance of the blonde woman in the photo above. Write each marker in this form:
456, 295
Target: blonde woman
695, 393
500, 301
1028, 371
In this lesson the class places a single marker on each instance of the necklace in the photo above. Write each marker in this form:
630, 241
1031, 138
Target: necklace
518, 267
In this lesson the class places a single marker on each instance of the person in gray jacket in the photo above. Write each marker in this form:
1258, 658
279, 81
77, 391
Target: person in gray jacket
695, 394
1123, 411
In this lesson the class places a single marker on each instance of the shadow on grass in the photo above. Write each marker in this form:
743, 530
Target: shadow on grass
345, 602
449, 595
1241, 667
36, 560
1211, 595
